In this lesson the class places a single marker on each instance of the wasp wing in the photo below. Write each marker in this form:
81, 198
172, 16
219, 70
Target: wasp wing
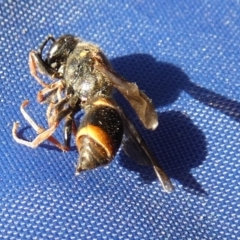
136, 148
142, 105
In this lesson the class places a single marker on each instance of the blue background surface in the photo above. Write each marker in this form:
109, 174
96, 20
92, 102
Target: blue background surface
186, 56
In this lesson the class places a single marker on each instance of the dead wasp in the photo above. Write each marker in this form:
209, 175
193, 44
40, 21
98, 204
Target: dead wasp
85, 80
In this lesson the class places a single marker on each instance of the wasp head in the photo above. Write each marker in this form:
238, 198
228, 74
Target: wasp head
59, 52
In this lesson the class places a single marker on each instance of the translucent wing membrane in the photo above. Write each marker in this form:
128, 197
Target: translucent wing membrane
135, 147
139, 101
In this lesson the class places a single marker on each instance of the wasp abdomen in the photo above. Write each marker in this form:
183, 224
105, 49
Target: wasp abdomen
92, 154
99, 136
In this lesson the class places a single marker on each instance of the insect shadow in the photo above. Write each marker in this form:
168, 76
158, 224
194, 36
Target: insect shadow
181, 145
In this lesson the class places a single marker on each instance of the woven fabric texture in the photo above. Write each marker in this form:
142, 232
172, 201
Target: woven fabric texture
185, 55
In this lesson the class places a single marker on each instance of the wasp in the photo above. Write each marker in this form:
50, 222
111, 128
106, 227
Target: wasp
83, 79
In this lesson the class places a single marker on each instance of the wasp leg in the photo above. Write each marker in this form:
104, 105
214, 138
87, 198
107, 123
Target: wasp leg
59, 90
54, 109
43, 134
74, 128
37, 63
49, 90
49, 112
69, 129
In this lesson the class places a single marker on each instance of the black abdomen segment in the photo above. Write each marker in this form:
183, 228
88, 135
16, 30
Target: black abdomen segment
99, 135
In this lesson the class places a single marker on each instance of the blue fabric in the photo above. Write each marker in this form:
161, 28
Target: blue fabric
185, 55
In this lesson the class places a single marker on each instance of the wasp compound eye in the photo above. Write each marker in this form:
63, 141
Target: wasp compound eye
60, 50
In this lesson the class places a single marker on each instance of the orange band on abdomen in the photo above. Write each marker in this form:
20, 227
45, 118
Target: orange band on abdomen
98, 135
104, 102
